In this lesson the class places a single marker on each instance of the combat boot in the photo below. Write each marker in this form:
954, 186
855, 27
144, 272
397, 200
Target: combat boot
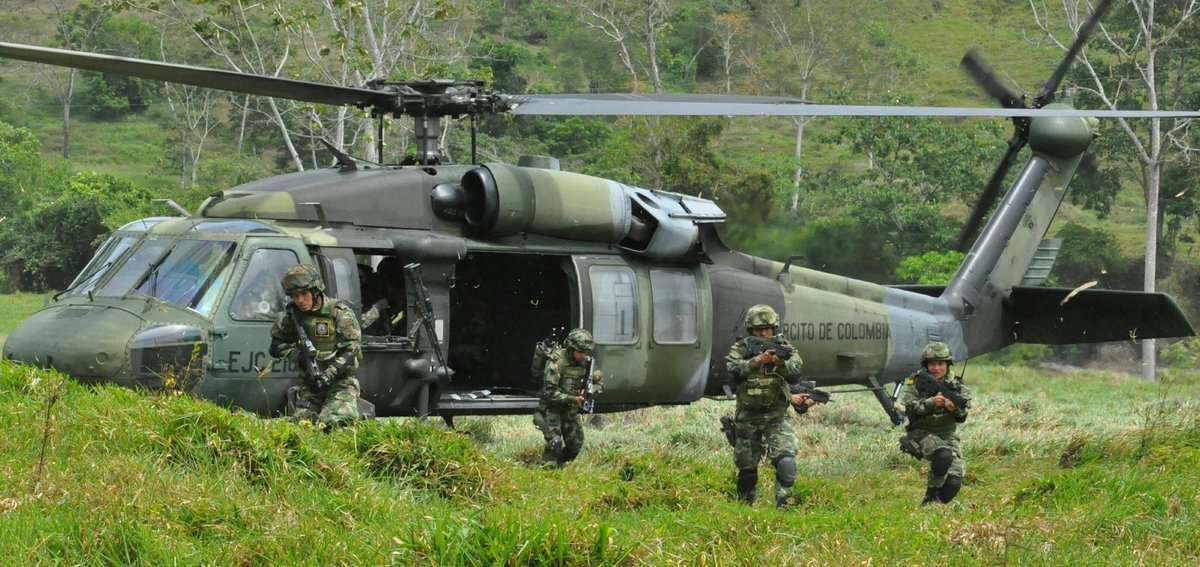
747, 485
931, 496
950, 489
782, 495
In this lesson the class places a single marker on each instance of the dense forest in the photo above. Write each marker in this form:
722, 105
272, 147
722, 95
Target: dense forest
881, 199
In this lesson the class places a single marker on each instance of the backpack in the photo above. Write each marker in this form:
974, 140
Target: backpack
541, 354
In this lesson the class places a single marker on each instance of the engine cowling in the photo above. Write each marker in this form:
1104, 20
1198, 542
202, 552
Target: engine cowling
502, 200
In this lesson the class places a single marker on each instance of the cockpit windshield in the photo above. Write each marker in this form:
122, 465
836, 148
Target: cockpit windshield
187, 273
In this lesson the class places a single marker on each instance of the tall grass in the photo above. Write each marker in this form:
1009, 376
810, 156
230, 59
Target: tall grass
1076, 468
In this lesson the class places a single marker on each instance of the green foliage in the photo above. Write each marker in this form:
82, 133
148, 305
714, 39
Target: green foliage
21, 169
1184, 353
1018, 354
48, 243
1089, 254
930, 268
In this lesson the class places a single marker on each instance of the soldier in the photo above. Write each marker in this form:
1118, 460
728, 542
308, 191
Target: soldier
765, 385
932, 421
330, 399
563, 394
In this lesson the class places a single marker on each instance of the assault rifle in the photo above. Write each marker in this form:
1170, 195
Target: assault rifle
306, 354
930, 387
758, 345
424, 304
809, 388
590, 388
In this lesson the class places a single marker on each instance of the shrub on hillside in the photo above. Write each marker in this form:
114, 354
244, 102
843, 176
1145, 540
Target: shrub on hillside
447, 463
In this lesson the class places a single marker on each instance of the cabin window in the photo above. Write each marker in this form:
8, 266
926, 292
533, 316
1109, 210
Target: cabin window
614, 304
341, 277
674, 293
259, 297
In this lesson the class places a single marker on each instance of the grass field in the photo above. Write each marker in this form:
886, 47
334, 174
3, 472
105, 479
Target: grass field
1083, 468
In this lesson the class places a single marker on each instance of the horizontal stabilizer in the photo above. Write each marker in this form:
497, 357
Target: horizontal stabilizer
1038, 315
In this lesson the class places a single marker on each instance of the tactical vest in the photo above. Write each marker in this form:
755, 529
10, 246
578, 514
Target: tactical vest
762, 391
321, 328
573, 377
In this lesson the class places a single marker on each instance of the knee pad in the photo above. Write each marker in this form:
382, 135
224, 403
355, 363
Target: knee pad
785, 471
942, 459
950, 489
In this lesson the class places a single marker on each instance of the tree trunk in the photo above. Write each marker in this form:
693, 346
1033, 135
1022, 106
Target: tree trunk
66, 149
287, 138
801, 122
652, 50
242, 130
1152, 175
799, 173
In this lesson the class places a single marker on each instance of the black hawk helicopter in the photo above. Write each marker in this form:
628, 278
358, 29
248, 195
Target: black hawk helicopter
509, 254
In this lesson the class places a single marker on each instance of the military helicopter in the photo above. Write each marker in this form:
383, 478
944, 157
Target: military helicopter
509, 254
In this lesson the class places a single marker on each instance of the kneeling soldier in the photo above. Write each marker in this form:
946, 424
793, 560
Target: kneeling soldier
330, 398
933, 418
765, 384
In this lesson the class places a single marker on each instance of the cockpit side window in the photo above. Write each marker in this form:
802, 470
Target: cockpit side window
187, 271
259, 296
105, 258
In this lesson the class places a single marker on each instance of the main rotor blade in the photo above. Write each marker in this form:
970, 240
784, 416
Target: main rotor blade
1046, 95
990, 193
677, 105
986, 78
199, 76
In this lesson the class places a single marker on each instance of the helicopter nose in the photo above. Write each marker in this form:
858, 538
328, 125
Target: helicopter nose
91, 343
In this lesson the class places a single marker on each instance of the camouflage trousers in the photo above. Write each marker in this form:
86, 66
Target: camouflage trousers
563, 433
927, 444
332, 407
757, 437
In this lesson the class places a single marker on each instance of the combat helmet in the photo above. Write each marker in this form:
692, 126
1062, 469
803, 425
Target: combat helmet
937, 350
580, 340
761, 315
302, 277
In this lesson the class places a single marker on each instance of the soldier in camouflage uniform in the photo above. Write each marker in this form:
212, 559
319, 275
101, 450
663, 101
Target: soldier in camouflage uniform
563, 384
330, 399
932, 422
765, 385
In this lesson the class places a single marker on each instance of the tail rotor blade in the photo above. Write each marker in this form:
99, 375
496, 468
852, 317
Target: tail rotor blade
983, 75
990, 192
1046, 95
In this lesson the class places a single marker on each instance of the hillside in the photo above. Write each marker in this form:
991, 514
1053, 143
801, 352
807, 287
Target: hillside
931, 38
1082, 468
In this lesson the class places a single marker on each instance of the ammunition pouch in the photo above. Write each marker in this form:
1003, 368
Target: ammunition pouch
761, 392
910, 446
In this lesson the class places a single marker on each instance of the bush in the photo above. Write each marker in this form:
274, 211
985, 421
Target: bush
419, 454
930, 268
